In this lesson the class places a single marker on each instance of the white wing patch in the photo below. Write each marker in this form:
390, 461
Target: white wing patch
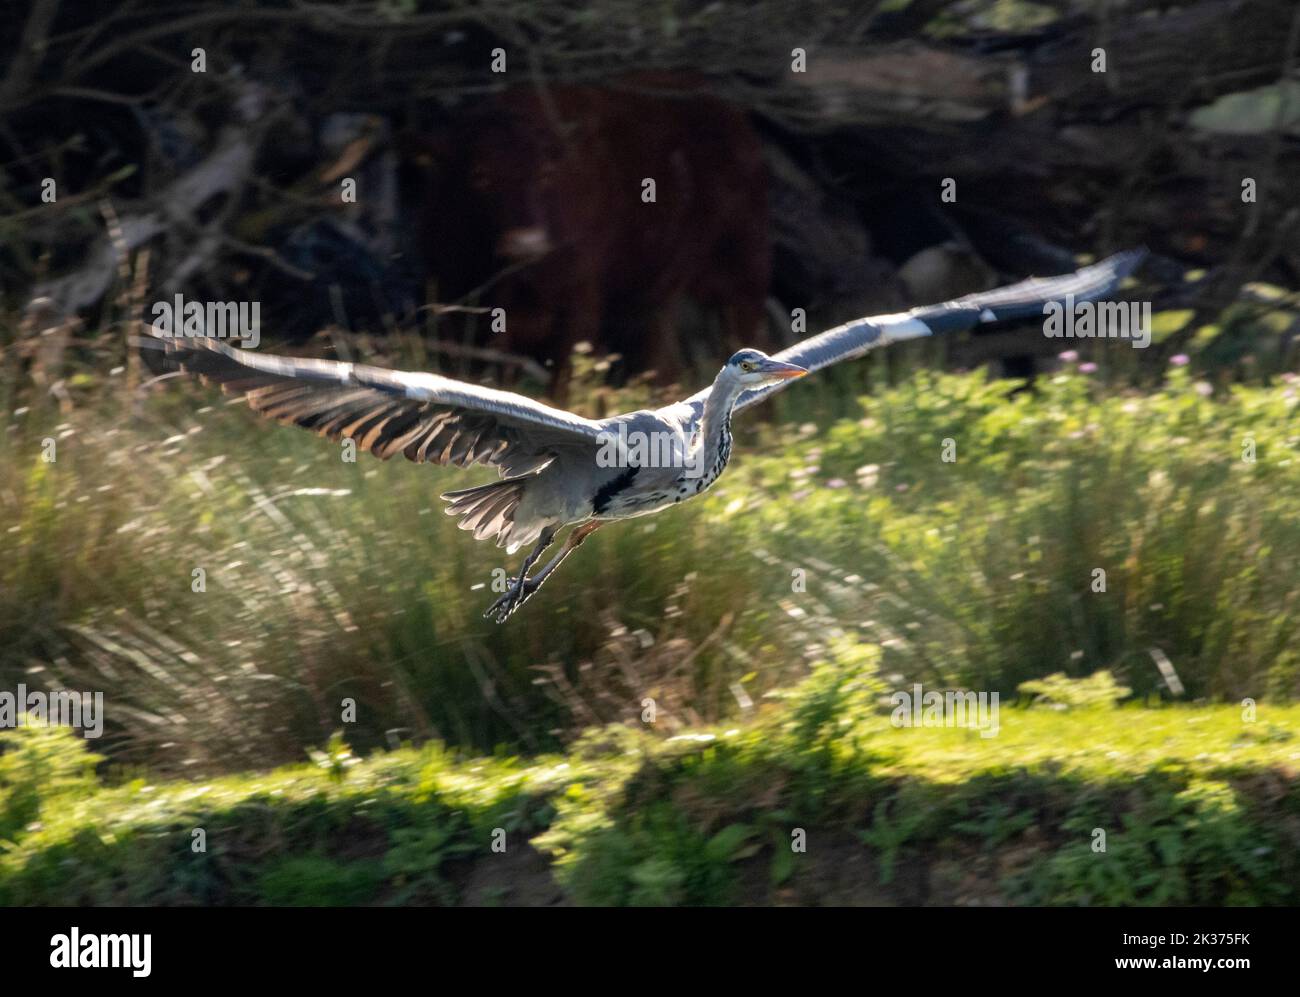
905, 327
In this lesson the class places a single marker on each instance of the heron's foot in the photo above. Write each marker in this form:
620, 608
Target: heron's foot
514, 596
521, 588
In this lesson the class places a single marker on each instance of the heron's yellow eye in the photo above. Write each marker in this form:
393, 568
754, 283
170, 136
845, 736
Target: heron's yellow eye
746, 365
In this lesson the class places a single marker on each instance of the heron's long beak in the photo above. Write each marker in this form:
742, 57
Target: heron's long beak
777, 368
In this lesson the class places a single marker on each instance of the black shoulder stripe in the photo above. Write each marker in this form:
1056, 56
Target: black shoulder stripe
611, 488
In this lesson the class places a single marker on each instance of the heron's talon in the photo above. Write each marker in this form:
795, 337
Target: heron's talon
515, 596
510, 600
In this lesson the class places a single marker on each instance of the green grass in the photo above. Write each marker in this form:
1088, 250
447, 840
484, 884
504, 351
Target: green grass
1198, 805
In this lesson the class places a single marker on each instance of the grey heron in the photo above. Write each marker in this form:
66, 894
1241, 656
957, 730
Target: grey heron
557, 469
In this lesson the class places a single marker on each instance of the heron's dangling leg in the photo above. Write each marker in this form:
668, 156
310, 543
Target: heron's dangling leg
524, 587
512, 594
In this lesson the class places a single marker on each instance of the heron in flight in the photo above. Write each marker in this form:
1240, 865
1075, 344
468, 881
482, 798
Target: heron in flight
556, 468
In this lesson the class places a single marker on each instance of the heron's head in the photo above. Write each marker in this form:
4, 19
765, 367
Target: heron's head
754, 368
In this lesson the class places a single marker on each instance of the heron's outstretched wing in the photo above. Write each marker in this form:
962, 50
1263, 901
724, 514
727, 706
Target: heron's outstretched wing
1016, 301
422, 416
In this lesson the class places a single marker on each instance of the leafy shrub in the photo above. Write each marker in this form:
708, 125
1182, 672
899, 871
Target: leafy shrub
1063, 693
38, 766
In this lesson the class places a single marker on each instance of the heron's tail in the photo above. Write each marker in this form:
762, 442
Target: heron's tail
488, 510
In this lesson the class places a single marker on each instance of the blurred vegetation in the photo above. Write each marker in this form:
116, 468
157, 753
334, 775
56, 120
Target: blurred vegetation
1198, 805
327, 580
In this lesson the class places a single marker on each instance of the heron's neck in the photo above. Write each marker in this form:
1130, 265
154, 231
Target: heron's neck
715, 426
